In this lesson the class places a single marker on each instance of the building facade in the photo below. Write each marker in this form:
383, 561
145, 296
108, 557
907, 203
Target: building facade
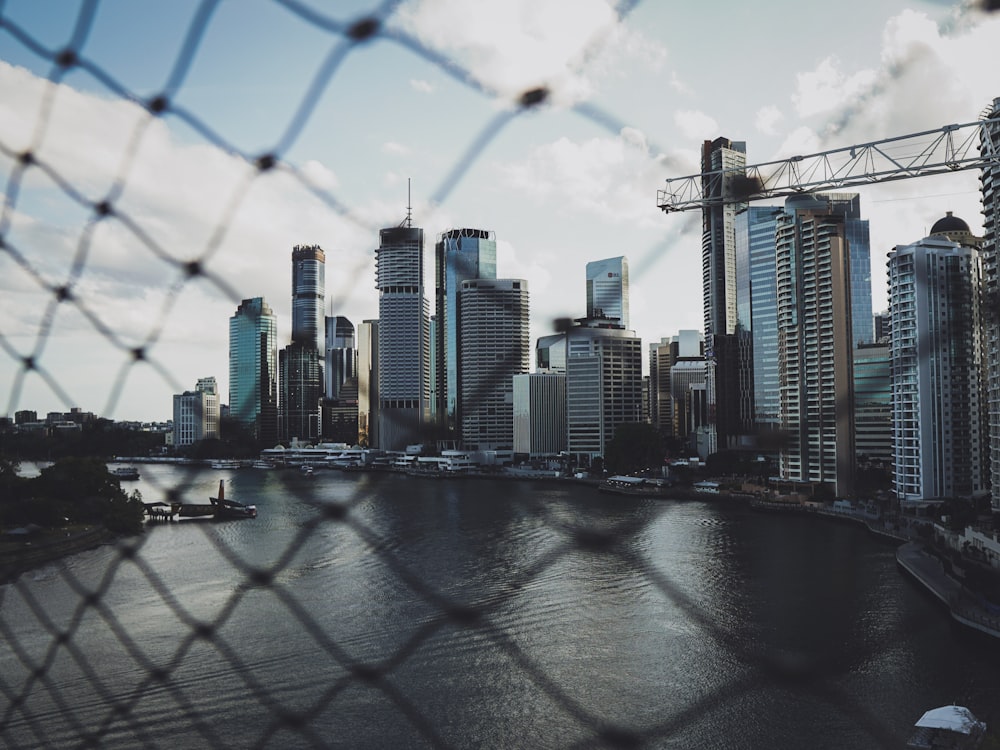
815, 349
403, 338
539, 414
368, 383
459, 255
253, 369
300, 364
725, 346
603, 385
607, 289
494, 345
341, 355
873, 404
990, 182
196, 413
939, 434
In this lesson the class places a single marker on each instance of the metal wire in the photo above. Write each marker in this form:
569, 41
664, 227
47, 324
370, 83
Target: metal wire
344, 38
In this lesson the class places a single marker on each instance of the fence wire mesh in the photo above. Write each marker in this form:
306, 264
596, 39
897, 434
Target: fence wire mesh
112, 711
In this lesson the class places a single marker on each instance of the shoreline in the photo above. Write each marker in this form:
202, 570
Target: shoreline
35, 553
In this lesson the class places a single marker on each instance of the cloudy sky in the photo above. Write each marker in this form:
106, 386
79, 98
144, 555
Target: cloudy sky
430, 98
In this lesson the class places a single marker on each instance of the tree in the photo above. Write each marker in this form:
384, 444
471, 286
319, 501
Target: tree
636, 447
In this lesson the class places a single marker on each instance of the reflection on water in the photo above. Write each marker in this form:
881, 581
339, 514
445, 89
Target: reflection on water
381, 611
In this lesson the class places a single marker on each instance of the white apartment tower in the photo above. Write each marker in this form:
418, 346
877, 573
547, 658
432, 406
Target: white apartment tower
938, 432
403, 337
990, 258
815, 348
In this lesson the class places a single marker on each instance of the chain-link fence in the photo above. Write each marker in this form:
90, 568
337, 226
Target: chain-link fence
264, 581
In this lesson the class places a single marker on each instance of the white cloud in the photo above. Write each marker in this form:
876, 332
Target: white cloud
611, 177
512, 46
768, 118
424, 87
192, 201
320, 175
694, 124
394, 148
828, 88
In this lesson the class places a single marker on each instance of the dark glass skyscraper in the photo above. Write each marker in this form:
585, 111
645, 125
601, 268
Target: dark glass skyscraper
459, 255
308, 280
301, 362
253, 369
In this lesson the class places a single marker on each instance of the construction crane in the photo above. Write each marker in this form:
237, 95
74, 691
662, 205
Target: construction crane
948, 149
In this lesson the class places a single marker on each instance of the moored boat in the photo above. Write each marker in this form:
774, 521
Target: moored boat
947, 728
225, 509
125, 472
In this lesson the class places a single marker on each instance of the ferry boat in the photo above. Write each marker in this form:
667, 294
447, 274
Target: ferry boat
225, 463
125, 472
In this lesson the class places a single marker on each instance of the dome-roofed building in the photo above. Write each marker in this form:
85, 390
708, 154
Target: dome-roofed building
956, 230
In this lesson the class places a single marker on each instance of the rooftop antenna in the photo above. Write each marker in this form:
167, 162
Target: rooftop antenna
409, 206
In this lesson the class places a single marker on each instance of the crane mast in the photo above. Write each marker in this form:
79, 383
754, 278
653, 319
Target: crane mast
951, 148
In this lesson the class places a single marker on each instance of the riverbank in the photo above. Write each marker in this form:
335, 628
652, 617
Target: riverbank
17, 557
964, 607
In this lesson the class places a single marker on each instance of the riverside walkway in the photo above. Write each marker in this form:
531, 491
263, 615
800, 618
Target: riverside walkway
965, 607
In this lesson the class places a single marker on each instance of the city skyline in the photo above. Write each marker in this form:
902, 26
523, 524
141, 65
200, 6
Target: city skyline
560, 187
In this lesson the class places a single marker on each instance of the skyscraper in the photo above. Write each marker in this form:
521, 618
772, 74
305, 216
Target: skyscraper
341, 354
607, 289
459, 255
990, 179
403, 337
603, 385
757, 310
939, 441
368, 383
495, 347
815, 349
726, 350
300, 363
253, 369
308, 289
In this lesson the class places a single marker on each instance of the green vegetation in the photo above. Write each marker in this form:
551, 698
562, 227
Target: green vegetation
101, 437
71, 492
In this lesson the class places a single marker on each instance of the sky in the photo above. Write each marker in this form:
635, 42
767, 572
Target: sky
430, 101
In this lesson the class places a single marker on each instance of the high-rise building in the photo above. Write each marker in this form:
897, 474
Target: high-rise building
661, 358
300, 363
308, 289
494, 344
253, 369
196, 413
403, 337
990, 179
603, 385
301, 378
540, 413
550, 353
815, 349
873, 404
459, 255
341, 354
607, 289
726, 347
939, 434
757, 311
368, 383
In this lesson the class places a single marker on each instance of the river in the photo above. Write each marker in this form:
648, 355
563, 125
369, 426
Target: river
379, 611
